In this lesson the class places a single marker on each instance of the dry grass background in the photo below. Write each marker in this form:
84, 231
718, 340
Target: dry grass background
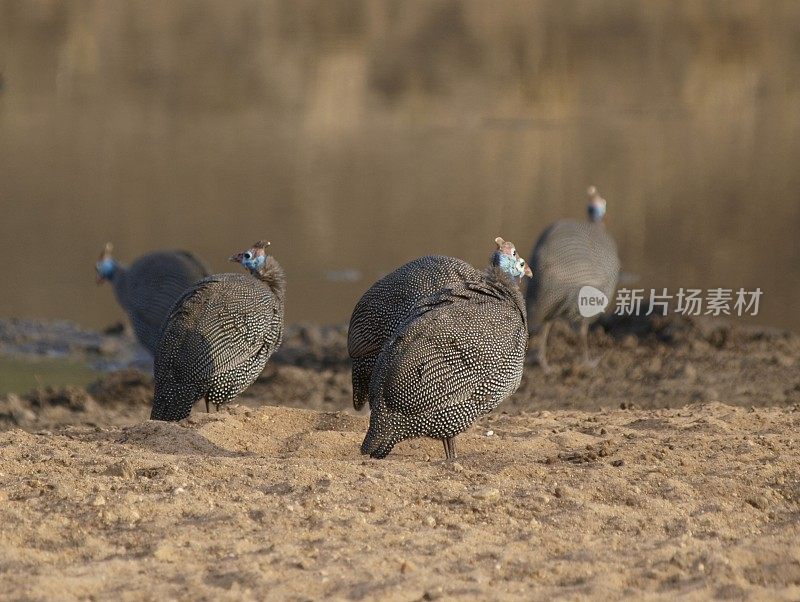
358, 134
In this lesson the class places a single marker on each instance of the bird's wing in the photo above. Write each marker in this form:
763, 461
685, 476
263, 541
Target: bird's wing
196, 263
384, 305
449, 352
153, 284
215, 327
363, 338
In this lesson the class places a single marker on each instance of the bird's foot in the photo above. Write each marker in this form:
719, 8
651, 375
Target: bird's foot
449, 449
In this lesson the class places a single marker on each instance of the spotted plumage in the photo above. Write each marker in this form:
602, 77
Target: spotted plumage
148, 288
219, 336
568, 256
386, 304
458, 353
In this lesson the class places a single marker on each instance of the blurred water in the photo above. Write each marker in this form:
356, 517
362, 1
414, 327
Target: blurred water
19, 374
356, 135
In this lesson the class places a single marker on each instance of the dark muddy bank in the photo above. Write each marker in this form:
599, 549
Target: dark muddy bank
645, 363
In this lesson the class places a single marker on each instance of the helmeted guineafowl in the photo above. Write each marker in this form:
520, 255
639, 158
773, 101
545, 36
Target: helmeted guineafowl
219, 336
567, 256
148, 288
458, 354
386, 304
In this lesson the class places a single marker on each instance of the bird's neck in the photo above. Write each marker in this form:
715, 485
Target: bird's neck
496, 275
594, 217
115, 270
507, 287
272, 274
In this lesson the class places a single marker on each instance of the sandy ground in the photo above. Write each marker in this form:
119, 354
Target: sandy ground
277, 503
629, 481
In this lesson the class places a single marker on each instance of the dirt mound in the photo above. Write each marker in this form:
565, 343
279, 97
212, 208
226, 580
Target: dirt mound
649, 362
664, 362
124, 387
113, 349
120, 398
314, 346
50, 338
699, 502
303, 387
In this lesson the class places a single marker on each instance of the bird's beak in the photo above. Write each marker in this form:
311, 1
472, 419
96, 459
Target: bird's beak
528, 271
236, 258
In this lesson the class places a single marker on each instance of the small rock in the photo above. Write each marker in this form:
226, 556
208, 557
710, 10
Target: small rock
489, 433
758, 501
23, 415
654, 367
429, 521
407, 567
487, 493
618, 463
258, 515
98, 500
122, 469
165, 552
128, 515
688, 372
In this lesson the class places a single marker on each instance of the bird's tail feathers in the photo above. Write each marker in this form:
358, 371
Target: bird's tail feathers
383, 434
172, 402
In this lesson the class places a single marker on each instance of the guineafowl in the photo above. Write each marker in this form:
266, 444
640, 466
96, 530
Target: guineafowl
149, 287
568, 256
457, 355
219, 336
387, 302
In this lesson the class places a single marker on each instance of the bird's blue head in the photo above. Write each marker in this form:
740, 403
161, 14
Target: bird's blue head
253, 258
597, 205
507, 259
106, 266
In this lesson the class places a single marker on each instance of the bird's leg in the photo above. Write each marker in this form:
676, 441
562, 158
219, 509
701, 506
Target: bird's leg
449, 448
207, 408
542, 353
587, 360
216, 405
